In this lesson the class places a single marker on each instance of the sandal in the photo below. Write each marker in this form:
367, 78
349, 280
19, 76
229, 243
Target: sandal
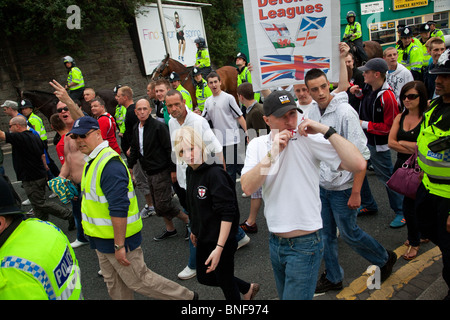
406, 256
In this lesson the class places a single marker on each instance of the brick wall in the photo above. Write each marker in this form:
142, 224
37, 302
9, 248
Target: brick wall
106, 63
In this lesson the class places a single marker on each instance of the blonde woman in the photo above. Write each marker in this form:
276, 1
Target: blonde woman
212, 203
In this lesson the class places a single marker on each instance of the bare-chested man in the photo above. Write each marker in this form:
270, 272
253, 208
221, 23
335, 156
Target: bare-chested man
72, 168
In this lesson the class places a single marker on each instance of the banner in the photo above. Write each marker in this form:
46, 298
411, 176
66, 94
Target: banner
184, 25
286, 38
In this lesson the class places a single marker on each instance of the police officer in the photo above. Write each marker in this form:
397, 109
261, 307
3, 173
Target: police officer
424, 37
75, 80
202, 60
111, 220
36, 259
433, 195
175, 81
202, 91
412, 56
353, 33
435, 32
244, 75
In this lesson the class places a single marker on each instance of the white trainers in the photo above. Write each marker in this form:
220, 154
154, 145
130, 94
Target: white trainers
77, 244
245, 240
147, 211
26, 202
187, 273
53, 195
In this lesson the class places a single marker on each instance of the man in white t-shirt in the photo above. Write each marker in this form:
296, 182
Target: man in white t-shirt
397, 75
223, 111
286, 164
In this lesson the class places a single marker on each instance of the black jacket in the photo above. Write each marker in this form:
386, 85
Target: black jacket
157, 148
211, 199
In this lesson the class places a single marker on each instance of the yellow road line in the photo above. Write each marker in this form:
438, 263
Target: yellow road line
397, 279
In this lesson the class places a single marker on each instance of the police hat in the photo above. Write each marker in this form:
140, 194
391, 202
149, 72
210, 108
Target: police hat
174, 77
242, 56
25, 104
443, 64
9, 204
406, 32
425, 27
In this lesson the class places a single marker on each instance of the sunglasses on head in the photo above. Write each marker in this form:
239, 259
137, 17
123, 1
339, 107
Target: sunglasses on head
82, 136
62, 109
410, 96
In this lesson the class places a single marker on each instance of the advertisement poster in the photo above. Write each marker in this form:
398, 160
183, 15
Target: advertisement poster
184, 25
289, 37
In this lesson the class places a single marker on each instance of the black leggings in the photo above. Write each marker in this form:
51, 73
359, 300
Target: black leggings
223, 276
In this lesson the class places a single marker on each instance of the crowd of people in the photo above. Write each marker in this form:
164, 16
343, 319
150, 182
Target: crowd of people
300, 139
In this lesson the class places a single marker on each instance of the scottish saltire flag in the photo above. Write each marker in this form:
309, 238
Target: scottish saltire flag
278, 34
308, 31
282, 67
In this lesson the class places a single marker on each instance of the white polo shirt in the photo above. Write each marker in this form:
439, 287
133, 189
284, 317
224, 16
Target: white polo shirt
202, 127
223, 112
291, 189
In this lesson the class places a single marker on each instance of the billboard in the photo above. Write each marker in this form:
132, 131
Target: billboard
288, 38
184, 25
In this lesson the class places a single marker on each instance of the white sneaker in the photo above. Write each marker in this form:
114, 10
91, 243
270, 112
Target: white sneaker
245, 240
147, 211
53, 195
245, 196
26, 202
77, 244
187, 273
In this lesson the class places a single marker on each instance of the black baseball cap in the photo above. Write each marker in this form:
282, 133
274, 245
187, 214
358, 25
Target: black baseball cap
278, 103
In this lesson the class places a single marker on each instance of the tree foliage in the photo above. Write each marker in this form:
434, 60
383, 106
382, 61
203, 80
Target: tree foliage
43, 23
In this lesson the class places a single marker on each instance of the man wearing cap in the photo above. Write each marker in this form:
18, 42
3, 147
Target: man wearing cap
30, 167
411, 56
286, 163
424, 33
377, 112
433, 195
244, 74
434, 32
112, 222
175, 81
202, 91
36, 260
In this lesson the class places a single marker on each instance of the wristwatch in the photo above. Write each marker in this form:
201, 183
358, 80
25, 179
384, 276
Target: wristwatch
330, 132
117, 247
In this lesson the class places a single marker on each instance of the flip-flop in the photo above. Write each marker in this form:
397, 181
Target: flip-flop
408, 251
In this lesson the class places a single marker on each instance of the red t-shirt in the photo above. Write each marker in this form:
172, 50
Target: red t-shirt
60, 150
108, 128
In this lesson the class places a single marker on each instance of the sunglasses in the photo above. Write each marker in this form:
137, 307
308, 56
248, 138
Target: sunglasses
410, 96
82, 136
62, 109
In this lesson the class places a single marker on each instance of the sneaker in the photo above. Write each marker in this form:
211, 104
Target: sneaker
52, 196
323, 284
77, 244
187, 234
365, 211
386, 270
26, 202
398, 222
249, 229
166, 234
245, 240
245, 196
30, 213
100, 273
147, 211
187, 273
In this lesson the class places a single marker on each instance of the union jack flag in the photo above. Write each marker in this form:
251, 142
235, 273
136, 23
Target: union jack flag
278, 34
307, 32
280, 67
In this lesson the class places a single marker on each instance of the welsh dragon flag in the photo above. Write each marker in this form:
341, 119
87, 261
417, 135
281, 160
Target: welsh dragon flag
278, 34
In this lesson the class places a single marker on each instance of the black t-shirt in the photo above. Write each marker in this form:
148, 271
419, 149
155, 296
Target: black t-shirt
130, 120
27, 151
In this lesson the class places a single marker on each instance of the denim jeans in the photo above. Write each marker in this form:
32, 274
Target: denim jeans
336, 214
383, 167
295, 263
233, 161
